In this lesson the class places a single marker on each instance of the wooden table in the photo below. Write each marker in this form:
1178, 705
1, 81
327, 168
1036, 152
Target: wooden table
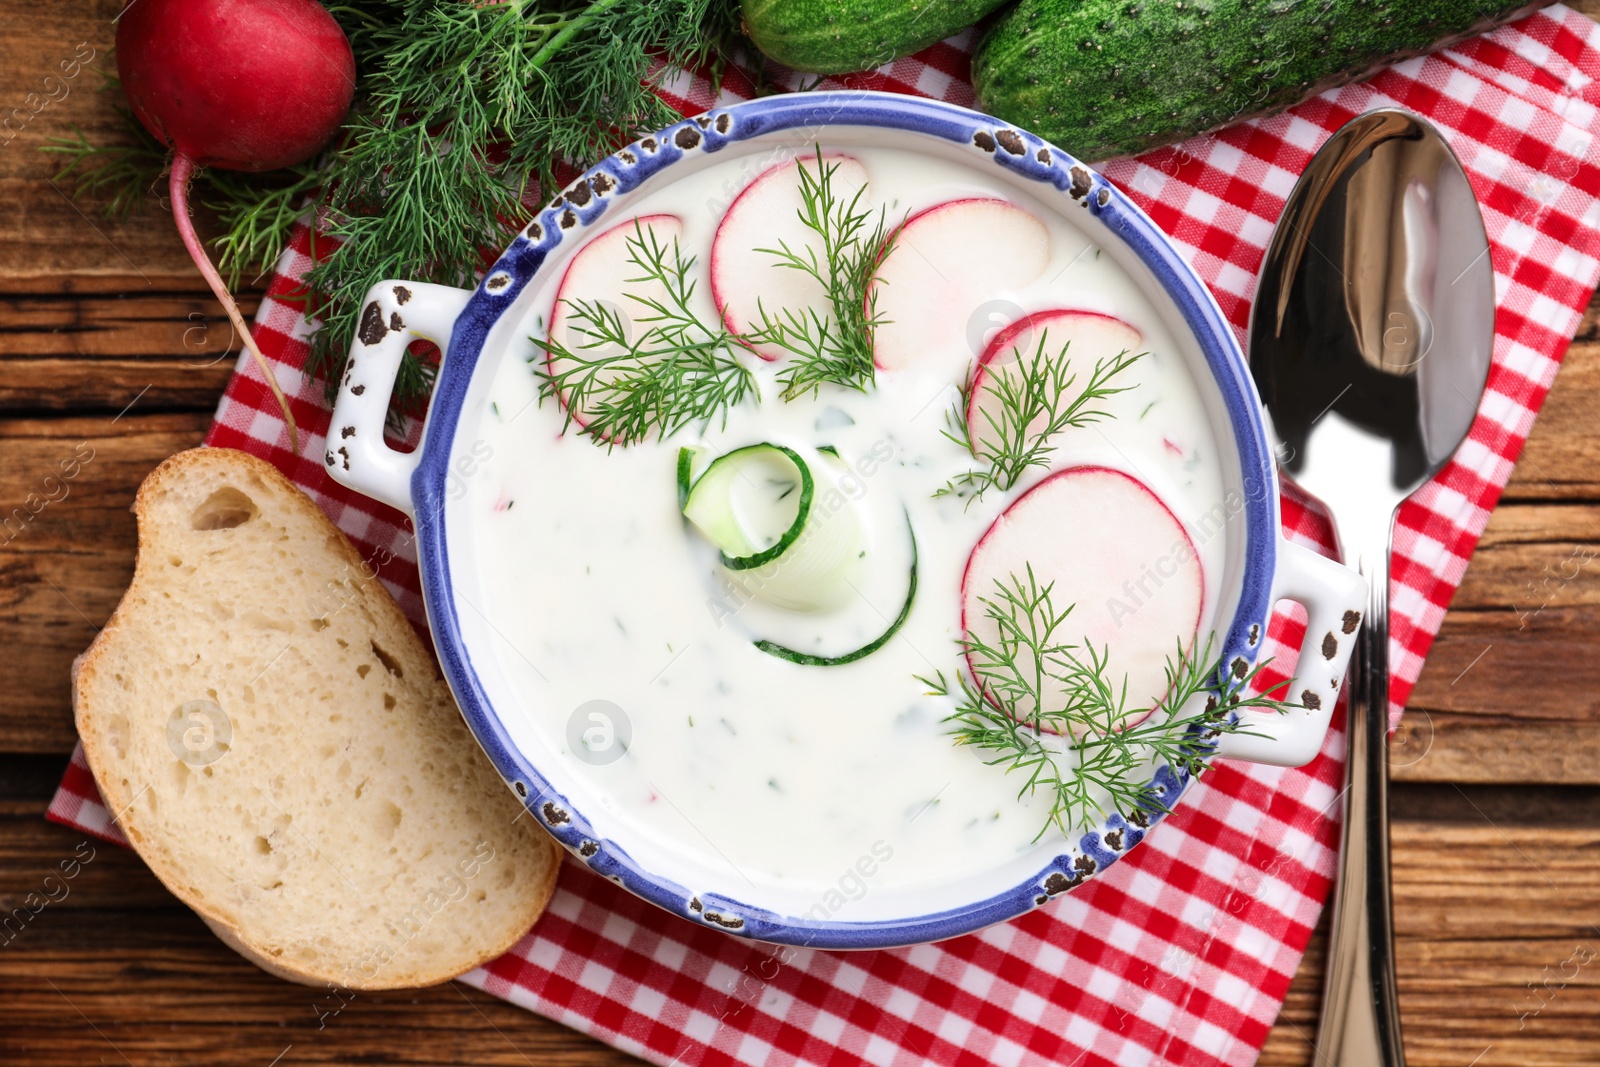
107, 336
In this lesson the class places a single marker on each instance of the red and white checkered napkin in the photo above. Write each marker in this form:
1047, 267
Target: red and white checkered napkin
1182, 952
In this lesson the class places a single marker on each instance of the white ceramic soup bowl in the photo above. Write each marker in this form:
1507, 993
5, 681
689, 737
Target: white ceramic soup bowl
480, 330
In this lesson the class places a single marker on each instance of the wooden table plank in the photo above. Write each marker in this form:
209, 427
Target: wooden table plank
48, 244
168, 996
73, 353
117, 326
63, 568
1559, 462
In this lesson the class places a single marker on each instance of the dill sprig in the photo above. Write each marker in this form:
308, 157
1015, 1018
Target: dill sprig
257, 218
257, 211
832, 347
1050, 709
675, 372
122, 174
1034, 402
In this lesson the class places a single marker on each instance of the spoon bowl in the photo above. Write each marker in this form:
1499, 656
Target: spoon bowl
1374, 320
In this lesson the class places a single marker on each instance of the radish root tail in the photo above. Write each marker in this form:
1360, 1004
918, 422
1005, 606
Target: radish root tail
182, 172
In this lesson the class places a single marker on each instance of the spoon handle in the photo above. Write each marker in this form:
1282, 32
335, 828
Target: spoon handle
1360, 1024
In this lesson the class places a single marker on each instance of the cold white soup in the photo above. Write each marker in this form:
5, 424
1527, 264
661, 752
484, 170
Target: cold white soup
838, 495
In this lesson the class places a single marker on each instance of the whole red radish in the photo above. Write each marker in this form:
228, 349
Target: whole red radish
246, 85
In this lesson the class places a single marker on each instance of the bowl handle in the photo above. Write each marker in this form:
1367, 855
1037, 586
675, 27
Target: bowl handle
394, 314
1334, 597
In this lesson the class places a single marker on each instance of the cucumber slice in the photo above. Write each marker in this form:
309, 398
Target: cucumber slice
772, 648
752, 503
758, 505
811, 563
687, 457
875, 600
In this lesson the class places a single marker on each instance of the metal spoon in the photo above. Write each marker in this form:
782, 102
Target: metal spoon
1370, 346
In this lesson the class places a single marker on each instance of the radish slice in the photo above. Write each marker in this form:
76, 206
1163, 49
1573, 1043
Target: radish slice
767, 215
600, 274
945, 263
1117, 556
1087, 336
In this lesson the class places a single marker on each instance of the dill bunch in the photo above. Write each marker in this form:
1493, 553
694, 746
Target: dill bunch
1036, 402
467, 111
463, 115
1049, 709
677, 371
833, 347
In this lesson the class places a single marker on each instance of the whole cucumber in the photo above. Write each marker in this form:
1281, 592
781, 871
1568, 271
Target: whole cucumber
838, 36
1105, 78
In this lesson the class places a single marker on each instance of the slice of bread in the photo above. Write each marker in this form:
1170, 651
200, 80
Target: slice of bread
277, 743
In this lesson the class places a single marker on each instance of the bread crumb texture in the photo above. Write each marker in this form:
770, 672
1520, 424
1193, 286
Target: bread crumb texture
282, 751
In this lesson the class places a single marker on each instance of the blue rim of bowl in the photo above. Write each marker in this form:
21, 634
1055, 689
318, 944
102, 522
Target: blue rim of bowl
586, 201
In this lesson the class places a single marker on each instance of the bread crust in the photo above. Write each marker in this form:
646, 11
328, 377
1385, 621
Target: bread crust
94, 719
